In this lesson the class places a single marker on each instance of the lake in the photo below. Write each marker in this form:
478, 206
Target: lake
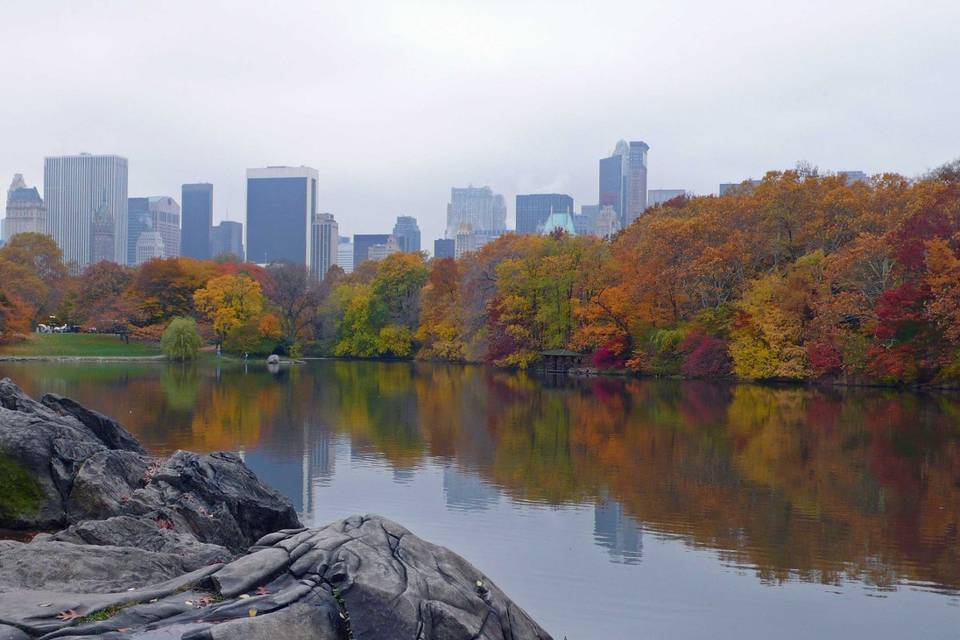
606, 508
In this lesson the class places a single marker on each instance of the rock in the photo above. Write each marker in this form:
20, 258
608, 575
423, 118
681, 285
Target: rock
68, 464
143, 555
273, 359
110, 432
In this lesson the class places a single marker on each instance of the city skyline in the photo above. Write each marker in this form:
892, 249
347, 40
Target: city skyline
712, 99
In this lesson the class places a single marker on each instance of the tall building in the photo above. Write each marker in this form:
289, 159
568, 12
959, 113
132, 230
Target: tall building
103, 236
613, 179
380, 251
227, 239
345, 254
25, 210
636, 181
444, 248
326, 237
407, 234
197, 199
77, 187
156, 213
534, 209
623, 180
281, 208
149, 246
469, 240
659, 196
478, 207
362, 243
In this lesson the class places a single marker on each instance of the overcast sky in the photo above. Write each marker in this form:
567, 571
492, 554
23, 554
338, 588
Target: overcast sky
396, 102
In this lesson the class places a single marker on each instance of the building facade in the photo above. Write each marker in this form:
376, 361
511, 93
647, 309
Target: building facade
623, 180
281, 209
469, 240
444, 248
197, 199
407, 234
345, 254
25, 210
659, 196
362, 243
380, 251
558, 222
227, 239
477, 207
78, 187
636, 181
533, 209
156, 213
607, 223
326, 241
149, 247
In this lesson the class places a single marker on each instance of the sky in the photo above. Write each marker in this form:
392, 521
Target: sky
395, 102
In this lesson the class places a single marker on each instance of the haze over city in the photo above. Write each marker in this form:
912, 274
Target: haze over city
395, 103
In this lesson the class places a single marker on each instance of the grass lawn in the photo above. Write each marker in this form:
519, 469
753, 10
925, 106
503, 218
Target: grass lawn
78, 344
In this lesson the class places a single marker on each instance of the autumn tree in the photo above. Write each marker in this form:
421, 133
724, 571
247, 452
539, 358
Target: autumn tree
295, 297
229, 302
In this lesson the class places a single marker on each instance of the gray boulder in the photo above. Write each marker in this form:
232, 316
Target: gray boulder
365, 577
66, 464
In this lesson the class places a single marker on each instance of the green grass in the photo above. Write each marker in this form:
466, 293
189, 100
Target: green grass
78, 344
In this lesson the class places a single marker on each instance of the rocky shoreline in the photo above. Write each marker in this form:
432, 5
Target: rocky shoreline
196, 547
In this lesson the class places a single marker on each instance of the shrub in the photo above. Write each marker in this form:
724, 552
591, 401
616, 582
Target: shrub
181, 340
706, 356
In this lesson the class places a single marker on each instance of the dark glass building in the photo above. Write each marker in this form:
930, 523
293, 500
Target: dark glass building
281, 208
197, 219
613, 184
443, 248
534, 209
227, 238
362, 243
407, 234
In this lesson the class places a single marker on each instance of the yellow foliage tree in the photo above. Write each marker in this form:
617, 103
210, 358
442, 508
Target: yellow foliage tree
229, 301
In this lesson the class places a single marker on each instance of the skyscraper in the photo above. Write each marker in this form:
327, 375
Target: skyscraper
149, 246
444, 248
76, 189
197, 199
636, 181
345, 254
613, 179
227, 239
477, 207
534, 209
326, 238
160, 214
407, 234
623, 180
281, 208
25, 210
362, 243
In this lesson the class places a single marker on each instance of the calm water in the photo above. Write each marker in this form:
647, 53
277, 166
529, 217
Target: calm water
606, 508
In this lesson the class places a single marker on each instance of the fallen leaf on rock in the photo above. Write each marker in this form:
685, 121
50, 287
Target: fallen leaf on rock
69, 614
252, 612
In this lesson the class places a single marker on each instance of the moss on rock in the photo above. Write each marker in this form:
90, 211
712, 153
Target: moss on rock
21, 493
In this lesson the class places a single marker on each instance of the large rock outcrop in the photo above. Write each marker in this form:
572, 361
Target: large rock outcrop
195, 547
68, 465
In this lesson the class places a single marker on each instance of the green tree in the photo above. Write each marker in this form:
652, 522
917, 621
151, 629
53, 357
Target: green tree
181, 340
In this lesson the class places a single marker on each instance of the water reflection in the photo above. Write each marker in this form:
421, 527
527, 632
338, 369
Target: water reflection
785, 484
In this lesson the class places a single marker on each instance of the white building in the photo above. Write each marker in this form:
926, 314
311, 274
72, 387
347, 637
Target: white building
77, 186
345, 254
325, 244
607, 223
25, 210
478, 207
381, 251
468, 240
149, 246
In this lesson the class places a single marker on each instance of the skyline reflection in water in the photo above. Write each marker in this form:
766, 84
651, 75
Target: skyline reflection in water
616, 508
